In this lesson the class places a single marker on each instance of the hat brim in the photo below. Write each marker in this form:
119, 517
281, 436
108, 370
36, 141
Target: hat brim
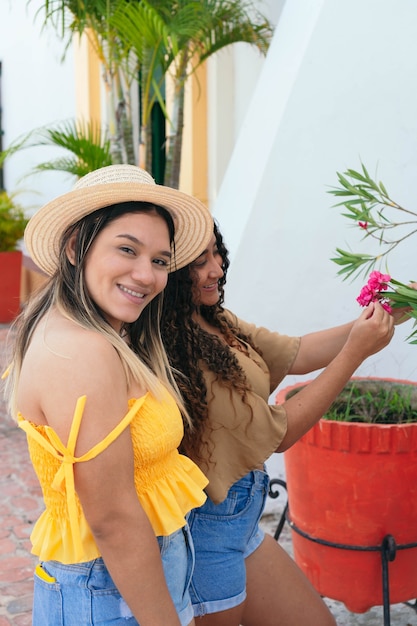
193, 221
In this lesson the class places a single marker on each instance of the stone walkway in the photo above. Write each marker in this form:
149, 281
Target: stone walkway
21, 504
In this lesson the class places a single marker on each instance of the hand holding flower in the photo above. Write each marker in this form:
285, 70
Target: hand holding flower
371, 332
401, 302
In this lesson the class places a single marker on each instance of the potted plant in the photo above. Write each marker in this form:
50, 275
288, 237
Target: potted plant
352, 479
352, 482
12, 226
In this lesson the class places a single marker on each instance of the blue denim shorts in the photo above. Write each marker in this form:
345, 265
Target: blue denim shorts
83, 594
223, 536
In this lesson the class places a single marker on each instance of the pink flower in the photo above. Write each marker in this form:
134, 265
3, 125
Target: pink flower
363, 225
366, 296
378, 282
372, 291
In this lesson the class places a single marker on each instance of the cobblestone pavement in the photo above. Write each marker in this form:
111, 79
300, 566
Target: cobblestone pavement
21, 504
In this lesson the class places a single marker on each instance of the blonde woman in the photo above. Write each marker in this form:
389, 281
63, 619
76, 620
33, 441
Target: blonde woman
90, 386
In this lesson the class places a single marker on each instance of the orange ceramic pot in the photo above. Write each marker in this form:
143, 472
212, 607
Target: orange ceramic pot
354, 484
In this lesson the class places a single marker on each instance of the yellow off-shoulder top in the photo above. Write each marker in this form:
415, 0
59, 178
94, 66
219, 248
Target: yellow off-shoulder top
168, 484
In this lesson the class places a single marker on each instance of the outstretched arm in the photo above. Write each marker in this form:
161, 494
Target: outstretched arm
318, 349
371, 332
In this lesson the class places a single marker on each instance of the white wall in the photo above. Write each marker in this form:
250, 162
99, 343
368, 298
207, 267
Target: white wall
338, 86
351, 95
232, 76
37, 89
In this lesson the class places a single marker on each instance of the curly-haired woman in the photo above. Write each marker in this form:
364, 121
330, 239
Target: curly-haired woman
226, 370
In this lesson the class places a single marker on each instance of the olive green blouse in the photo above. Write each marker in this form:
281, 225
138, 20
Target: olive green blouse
241, 435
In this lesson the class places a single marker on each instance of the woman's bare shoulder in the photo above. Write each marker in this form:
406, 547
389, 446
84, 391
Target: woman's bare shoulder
64, 362
60, 338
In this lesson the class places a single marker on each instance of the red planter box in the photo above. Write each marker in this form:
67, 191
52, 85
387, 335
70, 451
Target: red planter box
10, 277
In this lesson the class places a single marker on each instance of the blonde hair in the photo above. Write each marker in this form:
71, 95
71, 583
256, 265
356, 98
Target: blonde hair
144, 360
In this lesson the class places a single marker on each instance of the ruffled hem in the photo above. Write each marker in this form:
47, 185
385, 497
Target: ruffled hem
52, 540
166, 506
169, 501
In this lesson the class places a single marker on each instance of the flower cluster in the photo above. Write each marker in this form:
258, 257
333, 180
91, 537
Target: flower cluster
374, 290
391, 294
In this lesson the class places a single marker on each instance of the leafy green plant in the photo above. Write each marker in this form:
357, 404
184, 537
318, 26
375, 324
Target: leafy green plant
373, 402
371, 210
12, 222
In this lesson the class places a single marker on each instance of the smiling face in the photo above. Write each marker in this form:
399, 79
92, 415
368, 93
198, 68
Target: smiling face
206, 272
127, 265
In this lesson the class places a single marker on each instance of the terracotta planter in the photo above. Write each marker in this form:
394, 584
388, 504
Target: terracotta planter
10, 277
354, 484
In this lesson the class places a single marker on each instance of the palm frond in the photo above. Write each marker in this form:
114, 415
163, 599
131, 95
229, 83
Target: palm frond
85, 141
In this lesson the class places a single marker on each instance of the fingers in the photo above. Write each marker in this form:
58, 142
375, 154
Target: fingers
373, 330
376, 311
368, 311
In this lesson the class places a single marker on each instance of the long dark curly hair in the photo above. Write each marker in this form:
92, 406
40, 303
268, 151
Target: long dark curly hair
188, 346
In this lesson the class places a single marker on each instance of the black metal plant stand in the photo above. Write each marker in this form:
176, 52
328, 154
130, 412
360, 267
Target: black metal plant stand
388, 547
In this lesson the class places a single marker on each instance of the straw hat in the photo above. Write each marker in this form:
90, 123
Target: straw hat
111, 185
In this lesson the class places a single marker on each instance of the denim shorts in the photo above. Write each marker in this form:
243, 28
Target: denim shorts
83, 594
223, 536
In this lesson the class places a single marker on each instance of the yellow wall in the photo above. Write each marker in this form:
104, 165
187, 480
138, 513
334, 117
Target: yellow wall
194, 158
87, 81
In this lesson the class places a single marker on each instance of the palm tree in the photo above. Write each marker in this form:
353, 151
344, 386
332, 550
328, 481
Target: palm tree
184, 34
155, 38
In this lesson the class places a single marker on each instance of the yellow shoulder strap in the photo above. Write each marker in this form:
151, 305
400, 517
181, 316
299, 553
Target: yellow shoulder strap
64, 478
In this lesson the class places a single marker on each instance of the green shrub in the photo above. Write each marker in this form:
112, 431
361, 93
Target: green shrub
12, 222
373, 402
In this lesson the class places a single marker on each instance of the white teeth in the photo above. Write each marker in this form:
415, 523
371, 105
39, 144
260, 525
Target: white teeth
131, 292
